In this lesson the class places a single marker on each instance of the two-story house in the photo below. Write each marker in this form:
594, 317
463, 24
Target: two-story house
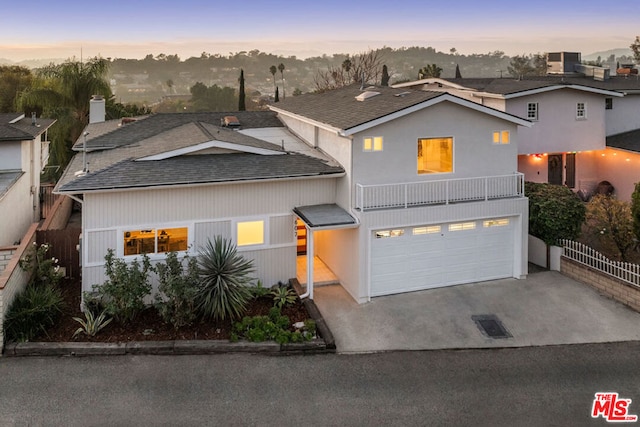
24, 151
396, 190
586, 122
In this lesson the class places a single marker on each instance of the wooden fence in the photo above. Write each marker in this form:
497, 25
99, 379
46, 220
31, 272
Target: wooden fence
64, 246
47, 199
625, 271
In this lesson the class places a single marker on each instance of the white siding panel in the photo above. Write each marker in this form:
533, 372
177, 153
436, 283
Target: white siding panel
209, 230
273, 265
16, 212
106, 210
99, 242
282, 229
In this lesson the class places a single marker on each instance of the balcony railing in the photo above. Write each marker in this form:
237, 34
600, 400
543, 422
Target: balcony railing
409, 194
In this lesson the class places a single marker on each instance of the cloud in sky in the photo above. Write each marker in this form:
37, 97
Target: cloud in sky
287, 27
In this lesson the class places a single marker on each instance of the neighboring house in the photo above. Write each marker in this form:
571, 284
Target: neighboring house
575, 114
395, 191
24, 151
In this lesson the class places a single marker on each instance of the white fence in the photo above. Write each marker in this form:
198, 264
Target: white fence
404, 195
585, 255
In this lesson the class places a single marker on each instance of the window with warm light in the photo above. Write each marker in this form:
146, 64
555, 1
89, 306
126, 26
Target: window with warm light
250, 233
435, 155
581, 111
501, 137
382, 234
417, 231
372, 143
495, 222
462, 226
155, 241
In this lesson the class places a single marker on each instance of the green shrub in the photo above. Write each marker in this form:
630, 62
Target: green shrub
177, 290
274, 327
91, 324
635, 210
611, 221
46, 271
259, 290
223, 289
124, 292
283, 296
555, 212
32, 312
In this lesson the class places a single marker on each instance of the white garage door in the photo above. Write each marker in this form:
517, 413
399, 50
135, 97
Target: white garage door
430, 256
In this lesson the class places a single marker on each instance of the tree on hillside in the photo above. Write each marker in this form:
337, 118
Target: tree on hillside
635, 47
273, 70
431, 70
13, 80
540, 64
277, 97
241, 95
63, 91
458, 75
364, 68
520, 66
281, 69
213, 98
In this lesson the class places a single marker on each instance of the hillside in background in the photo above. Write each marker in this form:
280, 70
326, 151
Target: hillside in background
152, 78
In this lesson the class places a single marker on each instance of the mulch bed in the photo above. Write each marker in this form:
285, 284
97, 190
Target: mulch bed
149, 326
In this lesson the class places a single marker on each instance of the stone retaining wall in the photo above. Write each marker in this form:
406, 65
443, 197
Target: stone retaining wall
613, 288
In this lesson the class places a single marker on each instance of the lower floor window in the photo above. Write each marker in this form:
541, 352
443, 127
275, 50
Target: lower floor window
151, 241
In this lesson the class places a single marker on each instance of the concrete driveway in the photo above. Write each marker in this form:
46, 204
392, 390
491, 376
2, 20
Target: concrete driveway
547, 308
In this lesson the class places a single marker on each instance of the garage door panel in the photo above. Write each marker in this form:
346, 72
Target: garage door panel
412, 262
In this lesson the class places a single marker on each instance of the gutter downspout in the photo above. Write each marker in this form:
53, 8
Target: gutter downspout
309, 293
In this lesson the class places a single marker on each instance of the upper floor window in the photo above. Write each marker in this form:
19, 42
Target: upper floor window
154, 241
501, 137
532, 111
372, 143
435, 155
608, 103
581, 110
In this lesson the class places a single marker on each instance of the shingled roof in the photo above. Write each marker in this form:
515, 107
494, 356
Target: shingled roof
155, 124
173, 150
339, 108
14, 127
629, 141
200, 169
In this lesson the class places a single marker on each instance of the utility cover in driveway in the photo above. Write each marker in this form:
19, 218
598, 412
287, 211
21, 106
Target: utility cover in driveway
491, 326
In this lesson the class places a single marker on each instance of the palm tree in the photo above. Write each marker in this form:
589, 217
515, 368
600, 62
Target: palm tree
273, 70
63, 91
431, 70
281, 69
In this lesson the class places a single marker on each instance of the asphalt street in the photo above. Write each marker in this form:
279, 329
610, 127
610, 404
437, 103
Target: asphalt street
537, 386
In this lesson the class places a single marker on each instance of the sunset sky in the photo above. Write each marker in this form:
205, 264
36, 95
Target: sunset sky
61, 29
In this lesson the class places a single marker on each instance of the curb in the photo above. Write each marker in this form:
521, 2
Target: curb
325, 343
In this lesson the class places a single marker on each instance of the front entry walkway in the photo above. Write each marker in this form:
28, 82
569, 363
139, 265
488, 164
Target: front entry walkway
321, 273
547, 308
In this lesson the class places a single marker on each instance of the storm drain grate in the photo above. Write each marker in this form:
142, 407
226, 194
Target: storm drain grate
491, 326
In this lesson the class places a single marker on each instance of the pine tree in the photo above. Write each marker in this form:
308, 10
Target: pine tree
277, 98
458, 75
241, 95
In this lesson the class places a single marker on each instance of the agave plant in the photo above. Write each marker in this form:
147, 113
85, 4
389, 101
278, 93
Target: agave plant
283, 296
224, 289
92, 325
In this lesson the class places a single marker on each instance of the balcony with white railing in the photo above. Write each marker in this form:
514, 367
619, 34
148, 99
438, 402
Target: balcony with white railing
440, 192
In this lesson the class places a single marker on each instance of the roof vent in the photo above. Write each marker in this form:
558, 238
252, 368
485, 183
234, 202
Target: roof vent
402, 94
366, 95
